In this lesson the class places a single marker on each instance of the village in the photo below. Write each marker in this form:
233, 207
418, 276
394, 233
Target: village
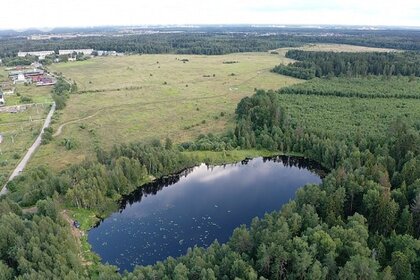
24, 75
36, 74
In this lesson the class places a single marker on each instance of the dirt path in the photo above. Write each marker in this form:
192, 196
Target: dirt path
22, 164
60, 128
77, 234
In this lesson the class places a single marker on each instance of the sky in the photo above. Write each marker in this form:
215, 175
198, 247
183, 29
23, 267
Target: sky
22, 14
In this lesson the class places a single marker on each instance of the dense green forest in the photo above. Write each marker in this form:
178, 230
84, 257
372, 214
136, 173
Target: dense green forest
311, 64
216, 41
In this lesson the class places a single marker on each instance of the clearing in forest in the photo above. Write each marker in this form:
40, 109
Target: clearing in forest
141, 97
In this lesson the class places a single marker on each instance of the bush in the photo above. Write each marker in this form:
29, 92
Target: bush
47, 136
26, 99
69, 143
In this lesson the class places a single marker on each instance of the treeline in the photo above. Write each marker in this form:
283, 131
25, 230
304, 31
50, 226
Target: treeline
19, 61
367, 87
326, 64
181, 43
97, 184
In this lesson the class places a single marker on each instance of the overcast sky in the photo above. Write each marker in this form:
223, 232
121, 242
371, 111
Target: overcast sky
22, 14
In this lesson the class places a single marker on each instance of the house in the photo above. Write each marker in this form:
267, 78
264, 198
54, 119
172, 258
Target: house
36, 64
33, 72
46, 81
21, 79
25, 75
107, 53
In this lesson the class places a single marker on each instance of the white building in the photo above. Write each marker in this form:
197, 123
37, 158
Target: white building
2, 101
40, 54
105, 53
20, 79
70, 52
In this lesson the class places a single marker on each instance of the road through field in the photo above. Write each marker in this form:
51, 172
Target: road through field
22, 164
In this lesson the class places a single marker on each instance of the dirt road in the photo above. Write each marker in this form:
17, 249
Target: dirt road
22, 164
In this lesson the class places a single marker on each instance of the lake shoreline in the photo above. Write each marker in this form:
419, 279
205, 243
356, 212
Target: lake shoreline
291, 161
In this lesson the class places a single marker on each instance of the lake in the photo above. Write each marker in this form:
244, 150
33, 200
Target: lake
197, 206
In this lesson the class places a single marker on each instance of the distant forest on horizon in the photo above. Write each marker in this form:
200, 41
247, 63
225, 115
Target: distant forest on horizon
208, 40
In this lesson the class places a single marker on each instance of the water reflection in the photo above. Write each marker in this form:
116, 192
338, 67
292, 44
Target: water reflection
202, 204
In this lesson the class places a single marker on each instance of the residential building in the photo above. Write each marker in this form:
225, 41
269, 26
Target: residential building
70, 52
40, 54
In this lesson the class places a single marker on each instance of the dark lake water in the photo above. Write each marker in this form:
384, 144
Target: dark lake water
196, 207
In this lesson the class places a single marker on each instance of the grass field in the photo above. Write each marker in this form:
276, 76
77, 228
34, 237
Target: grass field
334, 48
342, 48
125, 99
19, 130
39, 95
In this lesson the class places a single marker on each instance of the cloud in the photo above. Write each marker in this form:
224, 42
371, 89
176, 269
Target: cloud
51, 13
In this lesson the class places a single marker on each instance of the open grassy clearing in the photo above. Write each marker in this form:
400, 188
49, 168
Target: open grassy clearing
341, 48
333, 48
343, 115
126, 99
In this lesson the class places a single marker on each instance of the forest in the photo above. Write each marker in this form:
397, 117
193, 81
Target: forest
215, 40
311, 64
360, 87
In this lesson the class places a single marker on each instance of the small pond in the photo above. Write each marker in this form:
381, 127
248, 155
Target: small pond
196, 207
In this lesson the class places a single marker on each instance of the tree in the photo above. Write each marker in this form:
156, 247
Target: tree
401, 266
180, 272
359, 268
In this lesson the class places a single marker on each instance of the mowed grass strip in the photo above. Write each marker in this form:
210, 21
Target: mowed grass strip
134, 98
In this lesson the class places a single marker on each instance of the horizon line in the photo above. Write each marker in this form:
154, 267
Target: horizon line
192, 25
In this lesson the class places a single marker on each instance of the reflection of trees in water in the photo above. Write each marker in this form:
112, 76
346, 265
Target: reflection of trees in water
157, 185
299, 162
153, 187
